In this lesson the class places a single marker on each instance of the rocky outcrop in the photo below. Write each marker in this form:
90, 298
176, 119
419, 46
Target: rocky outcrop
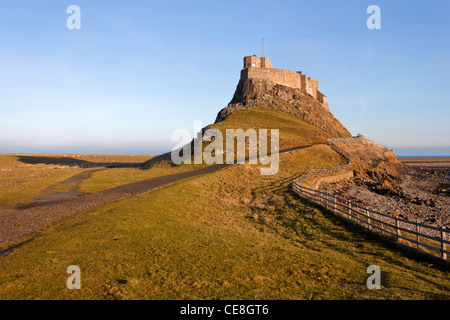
264, 94
372, 163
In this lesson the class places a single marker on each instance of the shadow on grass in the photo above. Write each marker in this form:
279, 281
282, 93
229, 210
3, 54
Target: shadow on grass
67, 161
389, 242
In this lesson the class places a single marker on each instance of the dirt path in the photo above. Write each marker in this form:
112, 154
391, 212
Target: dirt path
69, 189
20, 221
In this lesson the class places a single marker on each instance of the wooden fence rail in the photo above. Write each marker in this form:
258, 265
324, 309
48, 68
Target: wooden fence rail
422, 235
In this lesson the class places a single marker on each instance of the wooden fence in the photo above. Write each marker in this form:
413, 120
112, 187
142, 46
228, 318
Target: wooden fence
424, 237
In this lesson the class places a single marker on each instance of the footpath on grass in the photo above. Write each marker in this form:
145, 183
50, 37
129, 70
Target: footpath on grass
21, 221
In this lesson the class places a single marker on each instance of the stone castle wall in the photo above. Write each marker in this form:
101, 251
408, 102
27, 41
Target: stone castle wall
284, 77
265, 63
261, 68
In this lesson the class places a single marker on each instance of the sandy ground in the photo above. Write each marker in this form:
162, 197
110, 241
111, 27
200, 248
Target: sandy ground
424, 194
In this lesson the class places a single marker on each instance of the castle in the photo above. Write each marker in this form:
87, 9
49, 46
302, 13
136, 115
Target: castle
261, 68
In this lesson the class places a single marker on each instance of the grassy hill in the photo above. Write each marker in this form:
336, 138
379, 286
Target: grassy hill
293, 133
231, 234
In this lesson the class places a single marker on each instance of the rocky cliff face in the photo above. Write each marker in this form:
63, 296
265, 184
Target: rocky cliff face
371, 162
257, 93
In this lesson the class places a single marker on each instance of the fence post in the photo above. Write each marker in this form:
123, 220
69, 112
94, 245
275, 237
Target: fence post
349, 210
329, 201
368, 219
399, 233
443, 244
417, 235
334, 204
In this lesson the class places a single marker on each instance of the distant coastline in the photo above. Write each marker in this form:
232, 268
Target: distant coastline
426, 161
447, 157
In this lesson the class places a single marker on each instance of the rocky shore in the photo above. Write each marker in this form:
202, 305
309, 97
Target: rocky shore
423, 193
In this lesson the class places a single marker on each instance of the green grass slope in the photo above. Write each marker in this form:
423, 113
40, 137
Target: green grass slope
293, 132
232, 234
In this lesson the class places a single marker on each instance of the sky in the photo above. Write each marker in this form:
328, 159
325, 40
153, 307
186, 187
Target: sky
138, 70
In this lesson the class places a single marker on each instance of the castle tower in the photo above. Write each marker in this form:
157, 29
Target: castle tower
255, 62
252, 62
265, 63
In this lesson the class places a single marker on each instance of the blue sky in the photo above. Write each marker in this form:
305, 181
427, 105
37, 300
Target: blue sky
137, 70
